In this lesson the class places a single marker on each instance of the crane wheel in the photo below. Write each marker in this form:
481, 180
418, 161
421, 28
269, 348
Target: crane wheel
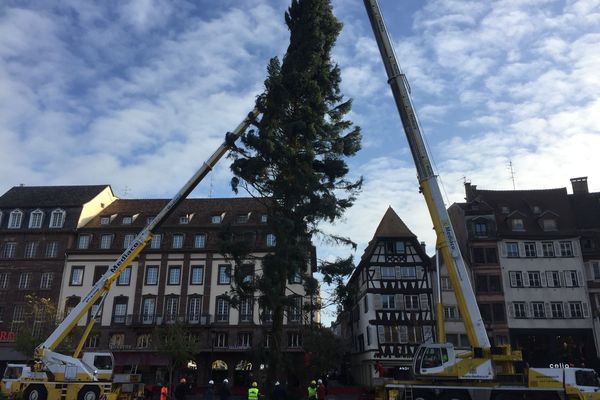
35, 392
89, 393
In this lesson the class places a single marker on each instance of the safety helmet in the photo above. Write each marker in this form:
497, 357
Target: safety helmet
254, 384
277, 383
182, 380
225, 381
319, 381
211, 382
313, 382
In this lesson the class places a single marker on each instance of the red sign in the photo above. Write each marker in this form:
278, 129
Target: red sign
6, 336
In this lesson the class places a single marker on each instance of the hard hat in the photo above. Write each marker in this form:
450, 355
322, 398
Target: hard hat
277, 383
182, 380
211, 382
319, 381
225, 381
254, 384
313, 382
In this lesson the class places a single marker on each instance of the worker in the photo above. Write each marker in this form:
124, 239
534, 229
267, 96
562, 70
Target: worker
181, 390
253, 392
278, 392
209, 394
321, 390
312, 390
164, 392
224, 391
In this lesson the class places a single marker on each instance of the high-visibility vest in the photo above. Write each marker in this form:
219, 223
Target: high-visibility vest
312, 392
253, 393
164, 391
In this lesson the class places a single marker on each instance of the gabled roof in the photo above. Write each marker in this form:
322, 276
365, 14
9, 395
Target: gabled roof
49, 196
392, 226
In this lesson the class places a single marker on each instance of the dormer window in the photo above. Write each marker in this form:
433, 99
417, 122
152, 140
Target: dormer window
57, 218
185, 219
127, 220
263, 218
516, 224
35, 219
14, 221
242, 218
549, 224
104, 220
480, 228
216, 219
504, 210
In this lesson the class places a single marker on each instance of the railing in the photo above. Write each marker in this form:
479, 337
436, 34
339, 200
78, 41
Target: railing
155, 319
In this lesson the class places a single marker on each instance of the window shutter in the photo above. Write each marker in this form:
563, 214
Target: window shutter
381, 334
511, 310
561, 278
580, 279
575, 247
529, 310
556, 249
377, 302
543, 280
539, 251
586, 310
424, 300
399, 300
521, 249
513, 278
568, 279
403, 334
504, 251
567, 310
547, 310
525, 279
549, 280
397, 268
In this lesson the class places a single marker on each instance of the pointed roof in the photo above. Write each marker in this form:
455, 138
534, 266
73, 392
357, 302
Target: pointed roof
392, 226
50, 196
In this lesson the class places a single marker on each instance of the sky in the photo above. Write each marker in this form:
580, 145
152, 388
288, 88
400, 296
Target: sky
137, 94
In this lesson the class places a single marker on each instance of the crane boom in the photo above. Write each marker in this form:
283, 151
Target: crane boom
446, 239
138, 244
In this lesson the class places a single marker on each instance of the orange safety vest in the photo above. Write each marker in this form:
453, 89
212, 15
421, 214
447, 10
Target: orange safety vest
164, 391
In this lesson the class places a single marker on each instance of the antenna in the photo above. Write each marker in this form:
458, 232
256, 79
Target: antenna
512, 173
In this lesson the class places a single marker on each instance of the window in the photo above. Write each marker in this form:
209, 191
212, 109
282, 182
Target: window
296, 278
595, 265
485, 255
399, 247
411, 302
25, 280
537, 310
408, 272
31, 249
548, 249
151, 275
120, 310
388, 301
549, 224
128, 240
571, 279
271, 240
512, 249
575, 309
388, 334
143, 341
294, 339
553, 278
499, 312
93, 341
46, 281
9, 250
530, 249
516, 278
557, 310
295, 310
246, 307
200, 241
171, 308
480, 228
388, 273
488, 283
51, 249
566, 249
57, 219
106, 241
177, 241
174, 275
15, 218
76, 276
194, 309
445, 283
516, 224
35, 219
19, 313
450, 313
155, 243
534, 279
99, 271
215, 219
104, 220
519, 309
242, 219
148, 309
127, 220
222, 310
267, 314
197, 275
125, 277
116, 340
220, 339
224, 274
4, 278
184, 219
244, 340
83, 241
264, 218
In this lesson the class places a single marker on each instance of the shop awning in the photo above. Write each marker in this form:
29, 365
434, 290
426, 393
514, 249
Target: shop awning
148, 358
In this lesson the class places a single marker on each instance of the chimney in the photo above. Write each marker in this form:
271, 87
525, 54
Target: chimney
423, 246
470, 192
580, 185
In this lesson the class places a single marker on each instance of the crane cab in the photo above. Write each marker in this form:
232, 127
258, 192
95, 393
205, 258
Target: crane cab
440, 360
433, 358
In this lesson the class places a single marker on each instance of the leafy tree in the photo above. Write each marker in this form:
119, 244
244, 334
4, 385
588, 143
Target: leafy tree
177, 342
324, 351
293, 158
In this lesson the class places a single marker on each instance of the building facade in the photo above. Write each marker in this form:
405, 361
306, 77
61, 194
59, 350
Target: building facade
392, 312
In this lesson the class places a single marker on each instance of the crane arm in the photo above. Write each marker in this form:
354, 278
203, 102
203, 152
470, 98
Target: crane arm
103, 284
446, 238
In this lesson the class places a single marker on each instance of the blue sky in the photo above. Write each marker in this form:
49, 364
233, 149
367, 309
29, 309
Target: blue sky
137, 94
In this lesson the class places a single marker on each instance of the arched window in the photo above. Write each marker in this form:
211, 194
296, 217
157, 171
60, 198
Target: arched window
57, 218
36, 218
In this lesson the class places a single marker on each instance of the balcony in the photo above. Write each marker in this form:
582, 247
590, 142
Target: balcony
154, 319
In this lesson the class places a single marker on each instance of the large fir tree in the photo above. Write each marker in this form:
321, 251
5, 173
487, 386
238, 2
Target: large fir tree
294, 156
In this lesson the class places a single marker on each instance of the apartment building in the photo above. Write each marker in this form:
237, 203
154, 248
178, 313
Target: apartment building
392, 313
181, 277
38, 224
